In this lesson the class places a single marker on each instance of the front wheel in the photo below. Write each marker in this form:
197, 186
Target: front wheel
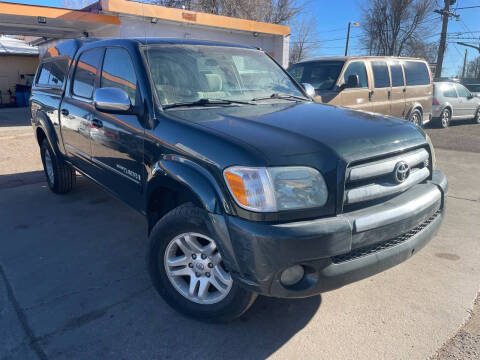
187, 268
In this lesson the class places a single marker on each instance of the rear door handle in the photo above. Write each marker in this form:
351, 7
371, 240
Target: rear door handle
65, 112
370, 93
404, 90
389, 94
97, 123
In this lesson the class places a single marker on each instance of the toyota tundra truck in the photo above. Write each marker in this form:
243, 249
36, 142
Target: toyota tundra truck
247, 186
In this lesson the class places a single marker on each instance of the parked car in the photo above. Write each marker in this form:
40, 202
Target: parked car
453, 101
400, 87
246, 189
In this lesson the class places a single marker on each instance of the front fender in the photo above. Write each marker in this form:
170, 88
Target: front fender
181, 174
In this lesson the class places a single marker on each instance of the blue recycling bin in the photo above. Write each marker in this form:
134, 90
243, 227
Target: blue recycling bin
20, 97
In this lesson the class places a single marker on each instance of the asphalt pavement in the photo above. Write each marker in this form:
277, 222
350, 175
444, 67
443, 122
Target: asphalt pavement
73, 283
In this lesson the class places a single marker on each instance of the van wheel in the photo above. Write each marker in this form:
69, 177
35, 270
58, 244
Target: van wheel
445, 117
416, 117
187, 269
60, 175
476, 119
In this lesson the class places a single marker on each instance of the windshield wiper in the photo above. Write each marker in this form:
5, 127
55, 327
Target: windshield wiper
281, 96
207, 101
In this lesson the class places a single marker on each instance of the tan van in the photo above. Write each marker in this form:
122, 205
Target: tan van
396, 86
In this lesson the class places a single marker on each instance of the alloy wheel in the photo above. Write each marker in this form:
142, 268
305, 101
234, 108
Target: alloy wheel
445, 118
49, 167
194, 267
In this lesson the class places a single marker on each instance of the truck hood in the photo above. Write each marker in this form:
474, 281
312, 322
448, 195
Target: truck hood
283, 130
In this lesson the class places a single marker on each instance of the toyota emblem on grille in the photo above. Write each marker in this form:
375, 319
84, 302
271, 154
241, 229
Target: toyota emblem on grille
401, 172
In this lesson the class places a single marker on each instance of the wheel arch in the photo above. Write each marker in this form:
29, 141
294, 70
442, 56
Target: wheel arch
178, 181
415, 106
44, 130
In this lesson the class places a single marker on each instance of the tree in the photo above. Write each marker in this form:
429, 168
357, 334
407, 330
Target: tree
397, 27
301, 43
473, 69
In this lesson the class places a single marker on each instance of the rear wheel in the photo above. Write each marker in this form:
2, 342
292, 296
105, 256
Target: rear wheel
188, 271
445, 117
416, 117
60, 175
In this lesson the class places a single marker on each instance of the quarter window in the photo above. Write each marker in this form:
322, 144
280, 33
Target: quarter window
380, 74
462, 92
416, 73
397, 74
52, 73
357, 68
118, 72
449, 91
86, 73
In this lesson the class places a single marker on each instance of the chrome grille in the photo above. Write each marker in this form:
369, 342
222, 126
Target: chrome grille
374, 180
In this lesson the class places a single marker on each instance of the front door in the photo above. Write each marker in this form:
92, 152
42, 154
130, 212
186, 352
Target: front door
467, 106
76, 110
381, 93
356, 98
117, 139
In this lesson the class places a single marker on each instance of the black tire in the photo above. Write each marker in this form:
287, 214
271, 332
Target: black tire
183, 219
476, 119
64, 177
445, 117
416, 117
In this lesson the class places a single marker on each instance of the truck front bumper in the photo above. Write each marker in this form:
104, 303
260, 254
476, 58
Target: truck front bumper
333, 251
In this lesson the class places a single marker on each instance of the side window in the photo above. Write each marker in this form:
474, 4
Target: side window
86, 73
52, 73
397, 74
449, 91
416, 73
118, 72
380, 74
462, 92
357, 68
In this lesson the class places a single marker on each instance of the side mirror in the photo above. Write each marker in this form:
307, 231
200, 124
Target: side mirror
309, 89
470, 96
352, 81
111, 99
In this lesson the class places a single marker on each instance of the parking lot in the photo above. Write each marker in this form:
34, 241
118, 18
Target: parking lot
73, 282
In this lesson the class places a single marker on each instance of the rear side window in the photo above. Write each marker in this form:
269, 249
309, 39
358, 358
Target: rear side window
397, 74
380, 74
416, 73
118, 72
448, 91
86, 73
357, 68
52, 73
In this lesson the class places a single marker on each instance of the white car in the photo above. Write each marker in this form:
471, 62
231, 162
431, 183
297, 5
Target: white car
452, 101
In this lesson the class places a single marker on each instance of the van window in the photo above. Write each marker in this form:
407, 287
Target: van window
357, 68
86, 73
322, 75
397, 74
118, 72
416, 73
380, 74
52, 73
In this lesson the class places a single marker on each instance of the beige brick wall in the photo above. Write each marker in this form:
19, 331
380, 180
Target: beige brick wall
11, 69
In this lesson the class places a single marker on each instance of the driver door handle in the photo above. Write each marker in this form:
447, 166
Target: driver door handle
65, 112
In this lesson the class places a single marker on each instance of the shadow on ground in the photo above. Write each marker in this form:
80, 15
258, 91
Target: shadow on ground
19, 179
85, 293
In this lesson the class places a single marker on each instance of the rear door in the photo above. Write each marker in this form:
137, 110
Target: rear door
356, 98
380, 95
419, 89
467, 105
117, 139
76, 110
397, 92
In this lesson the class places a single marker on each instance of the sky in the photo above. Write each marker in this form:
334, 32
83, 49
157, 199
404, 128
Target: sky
330, 19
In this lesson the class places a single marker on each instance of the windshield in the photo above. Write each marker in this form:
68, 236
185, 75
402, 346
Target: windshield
322, 75
189, 73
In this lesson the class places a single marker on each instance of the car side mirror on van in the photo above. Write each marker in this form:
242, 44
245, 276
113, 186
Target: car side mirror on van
110, 99
309, 89
352, 81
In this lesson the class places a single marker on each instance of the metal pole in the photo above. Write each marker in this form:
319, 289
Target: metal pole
443, 38
348, 37
464, 64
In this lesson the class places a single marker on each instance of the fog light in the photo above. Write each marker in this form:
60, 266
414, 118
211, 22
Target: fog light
292, 275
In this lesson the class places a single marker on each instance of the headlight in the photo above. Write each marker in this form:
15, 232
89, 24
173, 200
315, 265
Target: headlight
276, 188
432, 150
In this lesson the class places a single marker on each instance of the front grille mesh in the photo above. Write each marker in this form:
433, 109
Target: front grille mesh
368, 250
